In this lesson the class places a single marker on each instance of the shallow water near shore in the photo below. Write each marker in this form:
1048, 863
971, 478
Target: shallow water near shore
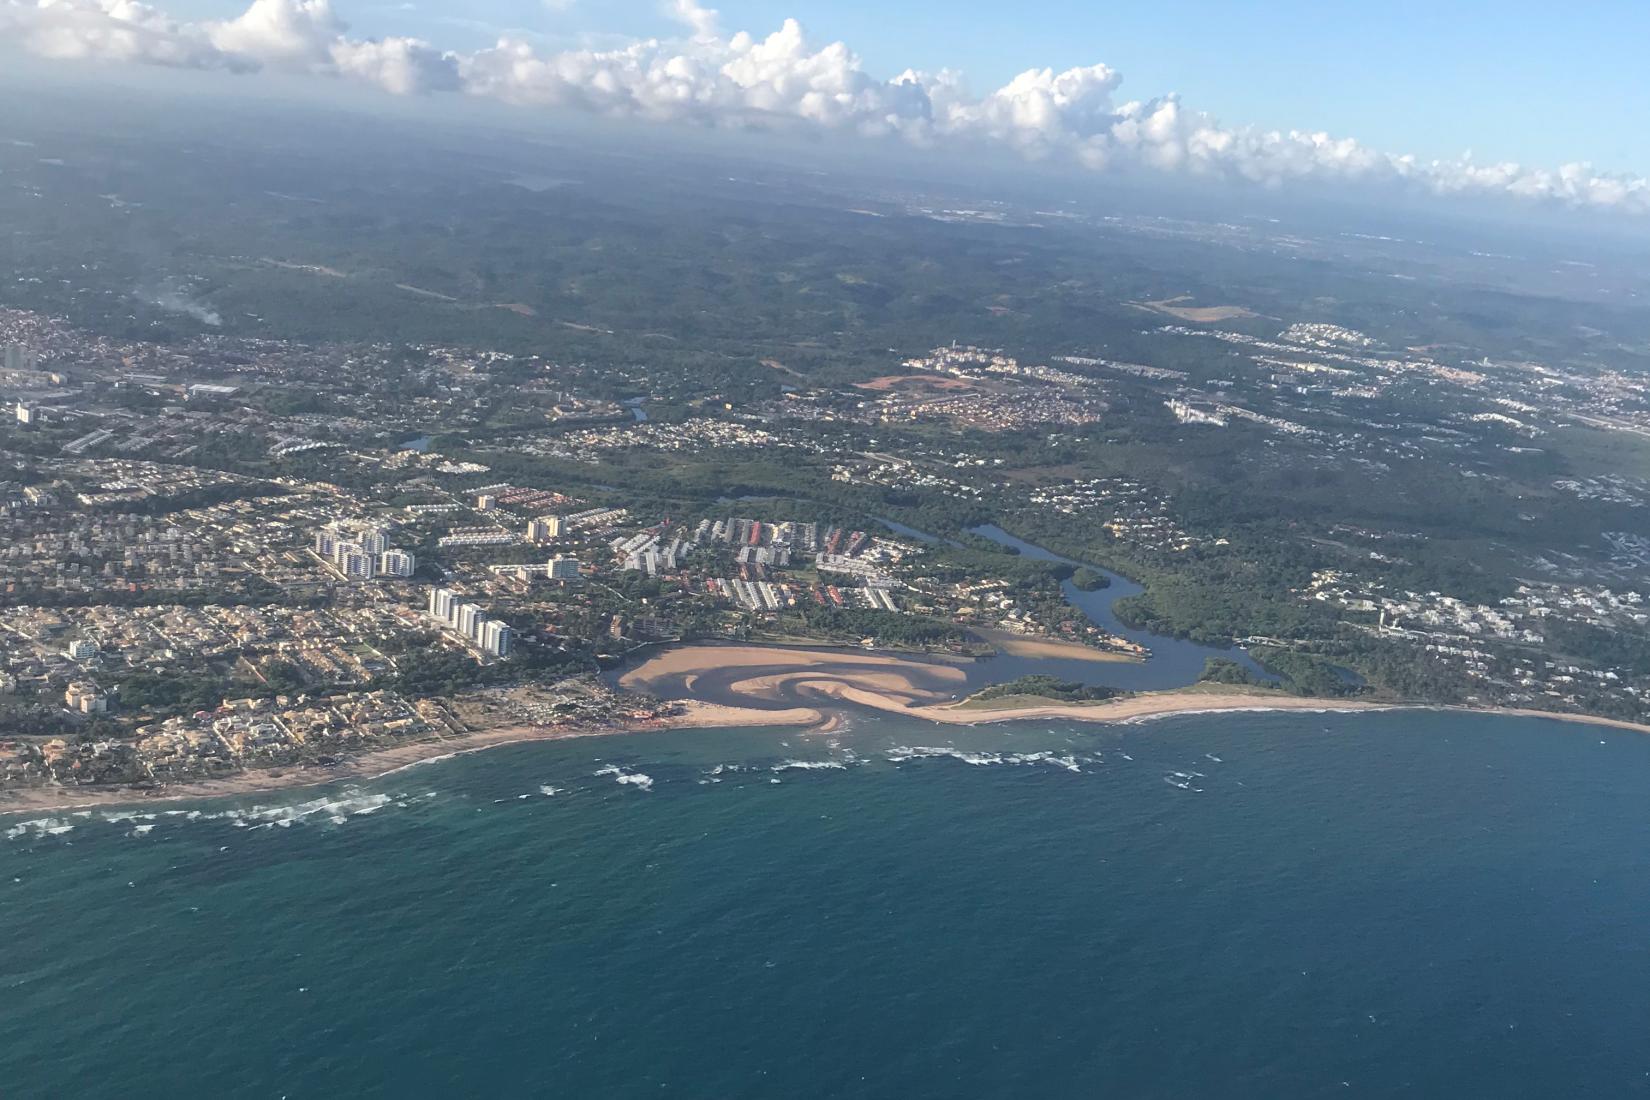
1236, 905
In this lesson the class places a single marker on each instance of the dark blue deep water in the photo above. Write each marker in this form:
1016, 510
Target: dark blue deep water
1254, 905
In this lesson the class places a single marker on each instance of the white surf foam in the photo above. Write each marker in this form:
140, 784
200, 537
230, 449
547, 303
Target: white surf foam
1065, 761
40, 827
809, 766
627, 778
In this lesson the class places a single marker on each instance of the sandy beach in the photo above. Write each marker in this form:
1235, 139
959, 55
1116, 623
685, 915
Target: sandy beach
920, 689
373, 765
809, 680
1164, 704
1137, 707
1020, 645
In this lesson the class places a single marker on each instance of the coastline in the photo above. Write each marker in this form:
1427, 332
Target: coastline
883, 692
378, 763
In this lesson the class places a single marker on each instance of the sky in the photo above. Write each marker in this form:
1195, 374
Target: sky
1537, 102
1510, 79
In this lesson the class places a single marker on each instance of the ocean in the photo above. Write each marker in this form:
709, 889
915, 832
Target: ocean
1236, 905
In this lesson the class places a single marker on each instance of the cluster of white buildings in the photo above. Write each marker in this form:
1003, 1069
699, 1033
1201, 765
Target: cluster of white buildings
362, 551
559, 568
1187, 413
491, 636
594, 518
647, 554
871, 572
84, 697
478, 536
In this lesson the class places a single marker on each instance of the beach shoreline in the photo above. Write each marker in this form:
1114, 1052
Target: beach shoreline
810, 681
378, 763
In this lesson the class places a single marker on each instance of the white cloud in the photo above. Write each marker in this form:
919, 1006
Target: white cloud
705, 22
105, 30
402, 66
280, 32
783, 79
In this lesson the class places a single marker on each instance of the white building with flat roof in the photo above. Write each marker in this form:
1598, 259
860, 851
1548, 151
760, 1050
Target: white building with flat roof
397, 563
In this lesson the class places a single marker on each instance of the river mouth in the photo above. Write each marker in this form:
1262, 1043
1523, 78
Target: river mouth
784, 678
1174, 662
775, 677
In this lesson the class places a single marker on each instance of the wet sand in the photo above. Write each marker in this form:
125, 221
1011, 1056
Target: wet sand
755, 686
767, 676
1136, 707
755, 675
1020, 645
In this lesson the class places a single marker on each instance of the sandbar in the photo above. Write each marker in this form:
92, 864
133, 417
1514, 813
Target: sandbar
1025, 645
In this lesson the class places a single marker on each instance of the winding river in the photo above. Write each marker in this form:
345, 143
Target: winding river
1174, 662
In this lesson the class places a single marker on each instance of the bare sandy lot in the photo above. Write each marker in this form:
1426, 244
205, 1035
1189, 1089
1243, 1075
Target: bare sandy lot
1202, 315
914, 382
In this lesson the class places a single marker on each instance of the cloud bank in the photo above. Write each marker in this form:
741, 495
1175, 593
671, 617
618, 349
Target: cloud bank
711, 78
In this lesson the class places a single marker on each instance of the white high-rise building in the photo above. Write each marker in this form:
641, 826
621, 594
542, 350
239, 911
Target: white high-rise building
497, 638
546, 528
326, 540
441, 604
356, 564
397, 563
373, 540
561, 568
469, 622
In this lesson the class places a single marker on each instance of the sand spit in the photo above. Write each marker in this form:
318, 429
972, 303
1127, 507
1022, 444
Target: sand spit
747, 674
1020, 645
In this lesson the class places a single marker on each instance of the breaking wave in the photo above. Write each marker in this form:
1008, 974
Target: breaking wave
40, 827
809, 765
626, 777
1065, 761
333, 809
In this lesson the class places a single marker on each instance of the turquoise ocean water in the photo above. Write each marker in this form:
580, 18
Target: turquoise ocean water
1243, 905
